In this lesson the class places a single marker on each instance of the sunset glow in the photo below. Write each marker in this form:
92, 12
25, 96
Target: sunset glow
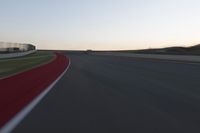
100, 24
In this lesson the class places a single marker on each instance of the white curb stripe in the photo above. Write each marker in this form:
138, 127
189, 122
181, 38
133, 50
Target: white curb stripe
26, 110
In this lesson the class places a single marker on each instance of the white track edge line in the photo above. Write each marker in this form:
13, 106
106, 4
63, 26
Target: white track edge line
10, 125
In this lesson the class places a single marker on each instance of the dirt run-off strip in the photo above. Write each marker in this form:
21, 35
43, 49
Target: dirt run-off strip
19, 90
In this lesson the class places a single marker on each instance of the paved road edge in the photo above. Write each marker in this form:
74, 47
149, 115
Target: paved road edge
175, 58
24, 112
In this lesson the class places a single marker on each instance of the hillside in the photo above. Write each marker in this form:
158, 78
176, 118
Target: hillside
193, 50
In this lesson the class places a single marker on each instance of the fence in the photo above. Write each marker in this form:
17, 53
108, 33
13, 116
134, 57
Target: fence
6, 47
11, 50
19, 54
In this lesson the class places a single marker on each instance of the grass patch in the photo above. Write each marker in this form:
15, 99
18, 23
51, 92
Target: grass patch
40, 53
13, 66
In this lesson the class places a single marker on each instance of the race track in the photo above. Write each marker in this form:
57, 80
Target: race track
105, 94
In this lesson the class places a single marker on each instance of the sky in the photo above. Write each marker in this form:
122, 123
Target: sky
100, 24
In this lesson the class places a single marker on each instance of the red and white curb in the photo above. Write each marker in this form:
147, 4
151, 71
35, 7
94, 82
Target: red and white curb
8, 127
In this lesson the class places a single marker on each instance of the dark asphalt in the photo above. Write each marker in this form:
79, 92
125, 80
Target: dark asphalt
104, 94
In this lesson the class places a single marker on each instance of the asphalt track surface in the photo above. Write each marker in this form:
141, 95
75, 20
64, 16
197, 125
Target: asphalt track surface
105, 94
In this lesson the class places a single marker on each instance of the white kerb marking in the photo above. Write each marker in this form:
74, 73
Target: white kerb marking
26, 110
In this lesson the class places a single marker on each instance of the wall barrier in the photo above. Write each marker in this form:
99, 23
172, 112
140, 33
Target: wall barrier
19, 54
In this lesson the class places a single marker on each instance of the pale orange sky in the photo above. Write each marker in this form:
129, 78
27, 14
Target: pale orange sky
101, 24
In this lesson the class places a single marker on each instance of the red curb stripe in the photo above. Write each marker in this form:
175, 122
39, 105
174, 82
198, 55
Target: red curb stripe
18, 91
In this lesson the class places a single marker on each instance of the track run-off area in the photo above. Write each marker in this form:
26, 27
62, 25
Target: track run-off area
18, 91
